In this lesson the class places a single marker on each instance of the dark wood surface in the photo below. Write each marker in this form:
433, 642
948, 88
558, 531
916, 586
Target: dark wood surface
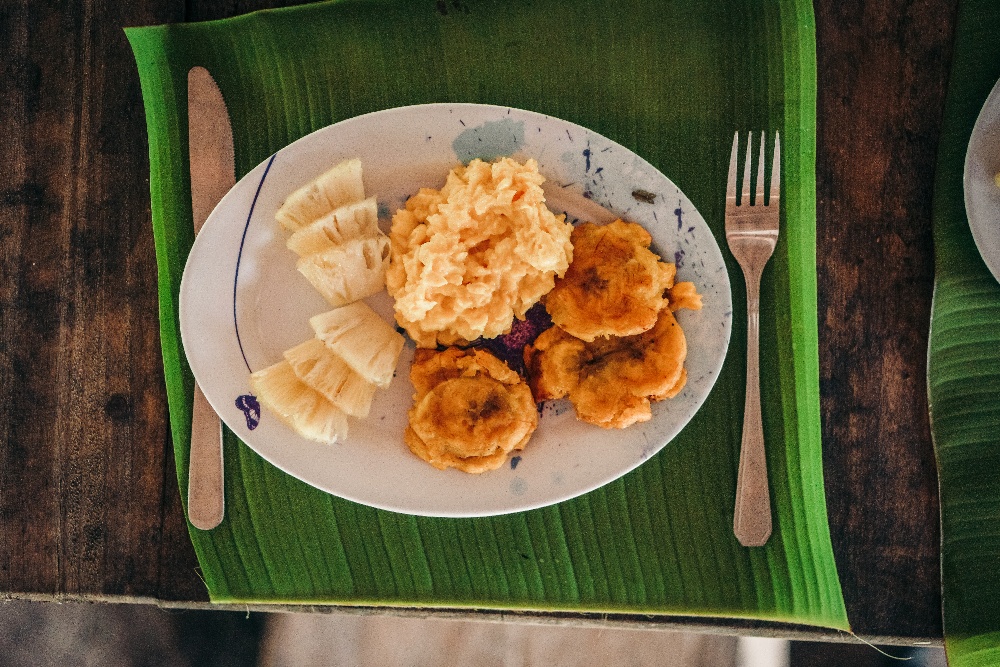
89, 506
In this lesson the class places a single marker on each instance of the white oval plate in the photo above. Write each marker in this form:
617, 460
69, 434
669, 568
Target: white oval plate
982, 196
242, 303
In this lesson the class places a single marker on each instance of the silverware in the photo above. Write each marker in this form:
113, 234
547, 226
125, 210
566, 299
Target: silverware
752, 233
213, 174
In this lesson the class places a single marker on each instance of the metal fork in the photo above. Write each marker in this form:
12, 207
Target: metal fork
752, 233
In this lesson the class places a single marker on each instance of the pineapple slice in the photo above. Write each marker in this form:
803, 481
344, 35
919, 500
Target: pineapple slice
352, 221
350, 271
300, 408
356, 334
325, 372
339, 186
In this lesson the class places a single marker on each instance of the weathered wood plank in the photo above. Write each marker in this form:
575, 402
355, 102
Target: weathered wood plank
882, 80
85, 438
32, 307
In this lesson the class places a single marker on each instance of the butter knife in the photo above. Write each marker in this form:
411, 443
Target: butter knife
213, 174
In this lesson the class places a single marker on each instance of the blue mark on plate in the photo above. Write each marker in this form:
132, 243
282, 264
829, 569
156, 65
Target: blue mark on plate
489, 141
514, 461
518, 486
239, 257
251, 409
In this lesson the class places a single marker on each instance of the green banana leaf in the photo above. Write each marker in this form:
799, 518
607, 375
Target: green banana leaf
964, 364
665, 79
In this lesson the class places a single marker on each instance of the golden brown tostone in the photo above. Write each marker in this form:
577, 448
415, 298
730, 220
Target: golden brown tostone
470, 410
612, 380
615, 285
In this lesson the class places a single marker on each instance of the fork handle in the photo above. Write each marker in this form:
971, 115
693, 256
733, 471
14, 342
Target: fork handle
752, 515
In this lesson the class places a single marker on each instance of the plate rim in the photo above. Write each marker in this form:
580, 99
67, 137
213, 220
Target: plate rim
990, 257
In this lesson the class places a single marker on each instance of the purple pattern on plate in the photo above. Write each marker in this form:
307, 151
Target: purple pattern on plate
251, 409
510, 346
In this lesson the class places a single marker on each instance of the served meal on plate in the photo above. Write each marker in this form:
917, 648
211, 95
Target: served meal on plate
395, 203
463, 263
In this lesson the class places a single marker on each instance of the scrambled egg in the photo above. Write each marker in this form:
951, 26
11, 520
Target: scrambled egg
469, 258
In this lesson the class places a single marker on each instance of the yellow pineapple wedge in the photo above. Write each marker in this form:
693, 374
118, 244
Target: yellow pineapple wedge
349, 271
300, 408
337, 187
352, 221
356, 334
322, 370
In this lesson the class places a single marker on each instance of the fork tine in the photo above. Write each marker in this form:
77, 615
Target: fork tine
731, 187
759, 198
776, 170
745, 199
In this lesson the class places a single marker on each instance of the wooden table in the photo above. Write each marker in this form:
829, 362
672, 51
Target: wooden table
89, 506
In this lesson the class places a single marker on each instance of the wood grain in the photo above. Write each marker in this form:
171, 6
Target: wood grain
32, 308
882, 80
89, 505
85, 440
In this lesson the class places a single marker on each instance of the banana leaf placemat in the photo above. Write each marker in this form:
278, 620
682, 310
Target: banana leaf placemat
964, 363
670, 81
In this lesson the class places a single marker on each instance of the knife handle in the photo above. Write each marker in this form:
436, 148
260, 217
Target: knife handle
206, 499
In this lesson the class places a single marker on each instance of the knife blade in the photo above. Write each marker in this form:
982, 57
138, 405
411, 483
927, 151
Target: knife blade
213, 174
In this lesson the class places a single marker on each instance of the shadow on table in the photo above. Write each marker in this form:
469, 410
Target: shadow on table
123, 635
818, 654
